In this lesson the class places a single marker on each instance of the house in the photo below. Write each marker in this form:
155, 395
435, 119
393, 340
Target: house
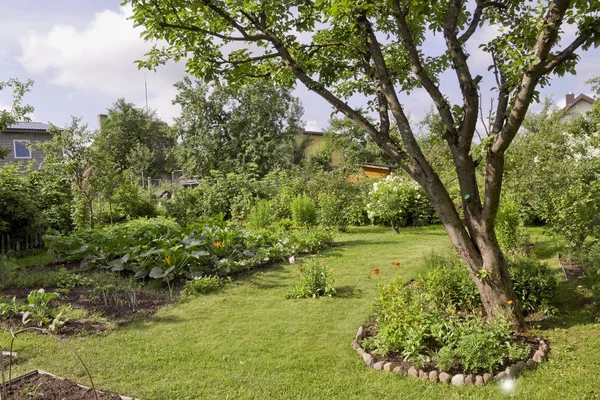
17, 138
577, 106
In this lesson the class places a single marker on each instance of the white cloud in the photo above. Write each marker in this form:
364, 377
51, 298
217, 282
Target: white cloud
313, 125
99, 60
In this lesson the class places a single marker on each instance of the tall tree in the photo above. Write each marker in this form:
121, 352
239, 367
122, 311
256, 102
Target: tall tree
338, 48
232, 128
18, 110
131, 129
70, 153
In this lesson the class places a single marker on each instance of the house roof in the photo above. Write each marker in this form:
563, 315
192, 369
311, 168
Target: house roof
582, 97
28, 126
313, 133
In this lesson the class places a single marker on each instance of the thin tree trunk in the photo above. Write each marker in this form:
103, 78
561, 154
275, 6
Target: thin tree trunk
91, 210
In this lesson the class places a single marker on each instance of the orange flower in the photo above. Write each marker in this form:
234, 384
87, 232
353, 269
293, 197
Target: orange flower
376, 271
509, 302
405, 325
217, 244
368, 276
397, 264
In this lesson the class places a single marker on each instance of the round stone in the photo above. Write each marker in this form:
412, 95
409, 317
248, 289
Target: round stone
445, 377
412, 371
458, 380
478, 380
433, 375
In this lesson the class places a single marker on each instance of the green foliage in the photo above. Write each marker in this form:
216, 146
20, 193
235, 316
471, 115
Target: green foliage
160, 249
230, 128
448, 284
67, 280
508, 225
421, 330
133, 138
202, 285
260, 216
18, 111
36, 309
399, 201
534, 283
315, 280
304, 212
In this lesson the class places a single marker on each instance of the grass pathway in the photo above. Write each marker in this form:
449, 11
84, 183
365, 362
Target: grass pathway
248, 342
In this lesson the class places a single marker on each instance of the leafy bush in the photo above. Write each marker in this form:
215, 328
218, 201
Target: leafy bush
534, 283
160, 249
36, 309
315, 281
260, 215
422, 331
448, 284
304, 212
508, 225
399, 201
202, 285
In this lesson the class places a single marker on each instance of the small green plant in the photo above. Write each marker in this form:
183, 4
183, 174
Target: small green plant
67, 280
315, 281
202, 285
33, 391
260, 215
534, 282
38, 309
304, 211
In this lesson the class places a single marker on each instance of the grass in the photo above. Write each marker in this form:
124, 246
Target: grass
248, 342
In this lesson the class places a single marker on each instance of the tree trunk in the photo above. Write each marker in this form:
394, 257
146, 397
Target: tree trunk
91, 210
489, 271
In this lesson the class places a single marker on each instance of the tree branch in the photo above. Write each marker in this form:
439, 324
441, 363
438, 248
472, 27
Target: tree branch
522, 98
557, 59
417, 68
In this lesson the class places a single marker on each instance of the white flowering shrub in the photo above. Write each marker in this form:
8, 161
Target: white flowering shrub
399, 201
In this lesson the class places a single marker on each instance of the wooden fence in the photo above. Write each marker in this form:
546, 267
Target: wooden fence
8, 244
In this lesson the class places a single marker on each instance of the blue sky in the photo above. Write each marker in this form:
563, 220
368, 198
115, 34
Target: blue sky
81, 54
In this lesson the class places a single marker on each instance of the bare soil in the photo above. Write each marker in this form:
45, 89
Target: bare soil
44, 386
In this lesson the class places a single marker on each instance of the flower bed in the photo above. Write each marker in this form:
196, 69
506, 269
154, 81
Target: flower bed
436, 375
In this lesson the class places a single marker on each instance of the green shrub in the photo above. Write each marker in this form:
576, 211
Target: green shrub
260, 215
304, 212
508, 225
448, 283
399, 201
422, 331
202, 285
315, 281
534, 283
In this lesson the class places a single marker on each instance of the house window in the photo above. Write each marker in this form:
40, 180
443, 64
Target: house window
21, 150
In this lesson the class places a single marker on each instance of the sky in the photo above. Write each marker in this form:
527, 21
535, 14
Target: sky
81, 54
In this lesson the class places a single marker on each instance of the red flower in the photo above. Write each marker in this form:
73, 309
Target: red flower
368, 276
376, 271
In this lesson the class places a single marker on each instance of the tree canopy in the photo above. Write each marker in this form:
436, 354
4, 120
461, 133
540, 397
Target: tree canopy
339, 48
229, 129
19, 110
133, 137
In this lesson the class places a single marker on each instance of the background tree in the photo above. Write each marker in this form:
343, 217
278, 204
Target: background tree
71, 153
19, 111
355, 146
560, 186
376, 49
130, 129
228, 128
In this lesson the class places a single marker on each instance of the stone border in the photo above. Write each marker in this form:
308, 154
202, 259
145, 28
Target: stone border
511, 372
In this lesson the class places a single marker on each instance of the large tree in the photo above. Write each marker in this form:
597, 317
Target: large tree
338, 48
229, 128
131, 135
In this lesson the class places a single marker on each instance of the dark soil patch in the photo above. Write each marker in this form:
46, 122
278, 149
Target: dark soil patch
117, 306
571, 269
49, 387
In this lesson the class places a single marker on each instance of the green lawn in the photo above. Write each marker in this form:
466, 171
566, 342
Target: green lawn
248, 342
